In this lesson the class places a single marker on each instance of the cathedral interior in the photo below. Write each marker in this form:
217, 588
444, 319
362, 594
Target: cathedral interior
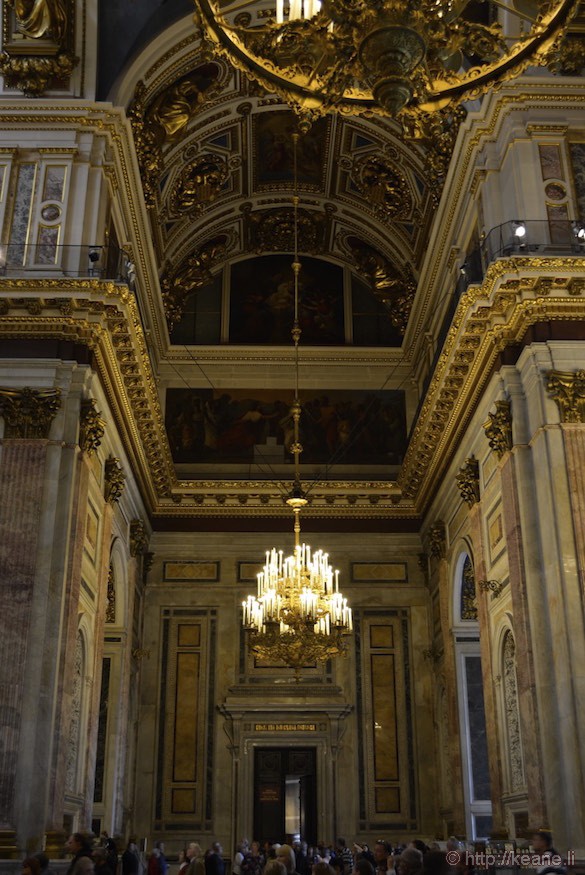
158, 181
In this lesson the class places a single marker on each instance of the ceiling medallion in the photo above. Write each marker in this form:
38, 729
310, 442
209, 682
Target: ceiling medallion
383, 185
385, 56
198, 184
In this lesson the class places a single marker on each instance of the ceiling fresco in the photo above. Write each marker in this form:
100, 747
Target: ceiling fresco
216, 161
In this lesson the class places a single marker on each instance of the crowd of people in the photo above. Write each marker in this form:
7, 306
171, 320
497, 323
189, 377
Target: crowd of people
272, 858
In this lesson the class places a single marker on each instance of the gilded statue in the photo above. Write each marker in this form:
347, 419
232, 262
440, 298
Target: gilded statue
175, 107
41, 18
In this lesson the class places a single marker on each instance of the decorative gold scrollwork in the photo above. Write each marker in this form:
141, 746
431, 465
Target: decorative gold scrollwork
115, 480
91, 427
193, 273
468, 481
138, 538
198, 184
28, 413
568, 390
394, 288
498, 428
437, 539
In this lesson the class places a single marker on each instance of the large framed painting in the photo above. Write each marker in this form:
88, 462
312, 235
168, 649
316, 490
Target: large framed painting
262, 301
247, 426
274, 153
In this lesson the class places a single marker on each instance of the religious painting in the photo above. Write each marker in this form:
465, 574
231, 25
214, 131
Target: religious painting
255, 426
578, 162
262, 301
274, 151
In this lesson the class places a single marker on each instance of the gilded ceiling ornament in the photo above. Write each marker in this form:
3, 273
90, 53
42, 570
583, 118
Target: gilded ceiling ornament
28, 413
383, 185
569, 57
41, 18
498, 428
115, 480
436, 132
468, 594
199, 184
468, 481
173, 109
383, 56
91, 427
493, 586
111, 597
437, 540
138, 538
274, 230
568, 390
193, 273
37, 38
147, 564
147, 144
393, 288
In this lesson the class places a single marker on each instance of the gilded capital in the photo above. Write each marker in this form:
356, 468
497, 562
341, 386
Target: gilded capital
138, 538
91, 427
498, 428
468, 481
115, 480
568, 390
437, 540
28, 413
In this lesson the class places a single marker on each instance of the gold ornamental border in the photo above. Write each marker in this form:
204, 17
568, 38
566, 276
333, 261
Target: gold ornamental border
515, 294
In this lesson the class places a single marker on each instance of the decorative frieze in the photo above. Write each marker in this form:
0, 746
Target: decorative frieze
138, 538
493, 586
498, 428
468, 481
28, 413
91, 427
111, 597
437, 540
568, 390
115, 480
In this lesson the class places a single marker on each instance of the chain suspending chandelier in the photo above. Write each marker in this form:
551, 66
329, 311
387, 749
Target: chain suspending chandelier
298, 616
384, 56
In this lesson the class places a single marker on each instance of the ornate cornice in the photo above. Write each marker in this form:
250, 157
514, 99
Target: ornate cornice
515, 294
568, 390
91, 427
28, 413
498, 428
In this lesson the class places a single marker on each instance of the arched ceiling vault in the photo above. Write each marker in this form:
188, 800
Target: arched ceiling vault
216, 161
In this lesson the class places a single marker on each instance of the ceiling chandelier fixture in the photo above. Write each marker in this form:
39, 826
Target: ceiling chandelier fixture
382, 56
298, 616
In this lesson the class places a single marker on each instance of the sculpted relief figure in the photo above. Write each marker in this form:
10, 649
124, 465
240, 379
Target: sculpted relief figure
175, 107
41, 18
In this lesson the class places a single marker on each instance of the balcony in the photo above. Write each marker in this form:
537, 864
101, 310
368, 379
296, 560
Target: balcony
53, 262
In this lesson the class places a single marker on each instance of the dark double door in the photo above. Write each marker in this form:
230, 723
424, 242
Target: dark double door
285, 793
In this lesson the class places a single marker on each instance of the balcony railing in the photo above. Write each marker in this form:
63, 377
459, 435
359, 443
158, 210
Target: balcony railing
51, 261
528, 237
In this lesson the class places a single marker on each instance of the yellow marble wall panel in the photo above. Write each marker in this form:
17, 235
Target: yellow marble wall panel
186, 710
381, 636
387, 800
207, 572
183, 801
379, 572
384, 728
189, 635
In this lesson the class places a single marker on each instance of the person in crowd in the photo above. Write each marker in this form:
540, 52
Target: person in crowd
410, 862
195, 859
214, 862
286, 856
542, 842
110, 845
303, 866
435, 863
383, 857
344, 854
274, 867
31, 866
101, 861
44, 863
323, 869
363, 867
131, 862
157, 862
419, 845
241, 851
82, 863
253, 861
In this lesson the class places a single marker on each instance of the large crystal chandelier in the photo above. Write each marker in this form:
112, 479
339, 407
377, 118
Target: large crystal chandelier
298, 616
386, 56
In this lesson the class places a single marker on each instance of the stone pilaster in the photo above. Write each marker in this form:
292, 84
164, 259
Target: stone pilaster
494, 743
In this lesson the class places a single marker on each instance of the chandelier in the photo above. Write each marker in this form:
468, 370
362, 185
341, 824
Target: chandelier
298, 616
381, 56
